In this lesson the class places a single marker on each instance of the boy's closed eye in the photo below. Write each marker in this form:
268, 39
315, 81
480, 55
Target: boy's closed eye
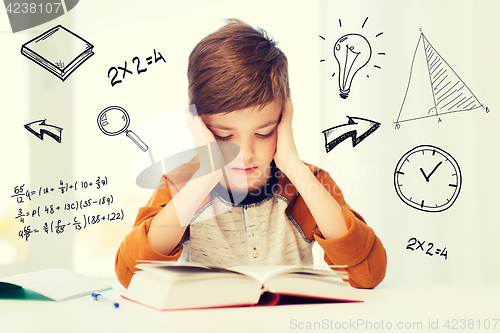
258, 135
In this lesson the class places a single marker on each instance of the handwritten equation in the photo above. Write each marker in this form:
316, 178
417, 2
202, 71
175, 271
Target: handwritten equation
58, 226
51, 209
114, 71
20, 193
50, 223
429, 250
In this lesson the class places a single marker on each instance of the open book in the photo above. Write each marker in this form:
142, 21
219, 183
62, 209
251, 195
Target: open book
172, 285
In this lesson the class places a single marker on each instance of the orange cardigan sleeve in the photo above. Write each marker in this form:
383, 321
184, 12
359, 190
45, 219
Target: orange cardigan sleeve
135, 246
359, 249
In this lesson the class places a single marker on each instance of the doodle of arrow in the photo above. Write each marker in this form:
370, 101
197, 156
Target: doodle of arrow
39, 128
353, 127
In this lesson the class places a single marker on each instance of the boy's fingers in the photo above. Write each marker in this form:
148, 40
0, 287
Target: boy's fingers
290, 104
287, 114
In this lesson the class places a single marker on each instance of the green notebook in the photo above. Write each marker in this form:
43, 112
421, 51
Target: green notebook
50, 284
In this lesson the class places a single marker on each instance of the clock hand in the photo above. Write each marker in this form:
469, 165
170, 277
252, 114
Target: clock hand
434, 170
425, 176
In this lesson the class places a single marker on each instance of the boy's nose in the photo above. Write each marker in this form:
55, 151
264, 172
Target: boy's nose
247, 150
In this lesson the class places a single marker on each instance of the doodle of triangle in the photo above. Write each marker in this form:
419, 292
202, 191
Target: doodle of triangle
418, 101
434, 88
450, 92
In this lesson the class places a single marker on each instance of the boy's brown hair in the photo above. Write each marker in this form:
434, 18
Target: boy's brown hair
237, 67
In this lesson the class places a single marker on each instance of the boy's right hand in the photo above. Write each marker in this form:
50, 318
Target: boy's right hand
209, 154
200, 132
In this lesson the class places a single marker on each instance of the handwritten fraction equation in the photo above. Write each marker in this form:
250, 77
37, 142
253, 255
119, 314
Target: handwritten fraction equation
20, 193
58, 227
429, 250
51, 209
114, 71
53, 224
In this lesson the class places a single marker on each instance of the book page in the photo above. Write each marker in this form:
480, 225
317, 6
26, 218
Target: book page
263, 273
182, 271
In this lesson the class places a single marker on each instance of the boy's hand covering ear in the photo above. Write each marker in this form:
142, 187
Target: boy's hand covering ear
286, 151
201, 134
209, 153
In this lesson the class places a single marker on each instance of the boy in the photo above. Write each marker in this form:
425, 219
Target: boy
238, 81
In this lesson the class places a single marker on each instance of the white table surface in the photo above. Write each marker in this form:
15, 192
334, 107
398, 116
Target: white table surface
404, 308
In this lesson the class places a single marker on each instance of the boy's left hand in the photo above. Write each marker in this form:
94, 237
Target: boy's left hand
286, 151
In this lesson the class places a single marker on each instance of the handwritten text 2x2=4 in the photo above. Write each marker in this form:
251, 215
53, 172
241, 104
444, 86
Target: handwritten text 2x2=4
113, 72
430, 252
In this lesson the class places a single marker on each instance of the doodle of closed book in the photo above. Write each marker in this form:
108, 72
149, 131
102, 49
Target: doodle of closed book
59, 51
176, 286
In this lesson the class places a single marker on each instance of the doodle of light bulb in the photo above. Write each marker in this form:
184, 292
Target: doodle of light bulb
352, 52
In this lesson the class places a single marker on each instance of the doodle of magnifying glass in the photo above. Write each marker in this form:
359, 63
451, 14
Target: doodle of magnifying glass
114, 120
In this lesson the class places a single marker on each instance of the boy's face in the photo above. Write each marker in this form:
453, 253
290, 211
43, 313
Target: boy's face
255, 132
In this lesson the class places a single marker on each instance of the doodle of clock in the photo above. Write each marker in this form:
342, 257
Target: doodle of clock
428, 179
